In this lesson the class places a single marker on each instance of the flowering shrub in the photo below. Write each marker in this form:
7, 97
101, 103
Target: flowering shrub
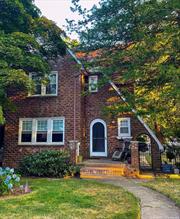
8, 180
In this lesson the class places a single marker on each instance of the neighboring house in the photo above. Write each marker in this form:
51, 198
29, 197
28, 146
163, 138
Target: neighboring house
58, 113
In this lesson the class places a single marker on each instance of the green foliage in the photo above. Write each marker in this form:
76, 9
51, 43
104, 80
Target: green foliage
27, 42
47, 163
139, 40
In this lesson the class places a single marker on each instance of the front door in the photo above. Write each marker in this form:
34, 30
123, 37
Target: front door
98, 138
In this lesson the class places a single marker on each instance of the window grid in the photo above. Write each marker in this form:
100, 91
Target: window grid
124, 129
45, 90
27, 126
93, 83
44, 126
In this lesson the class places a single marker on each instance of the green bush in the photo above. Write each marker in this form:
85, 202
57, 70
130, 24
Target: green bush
48, 163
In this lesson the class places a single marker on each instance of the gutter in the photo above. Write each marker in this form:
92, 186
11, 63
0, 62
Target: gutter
161, 148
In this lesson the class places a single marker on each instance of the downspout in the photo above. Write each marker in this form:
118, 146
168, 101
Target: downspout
75, 89
74, 120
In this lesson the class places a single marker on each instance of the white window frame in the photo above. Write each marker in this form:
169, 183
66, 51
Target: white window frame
124, 135
43, 87
89, 79
34, 131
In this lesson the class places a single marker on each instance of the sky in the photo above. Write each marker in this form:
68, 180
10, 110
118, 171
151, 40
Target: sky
59, 10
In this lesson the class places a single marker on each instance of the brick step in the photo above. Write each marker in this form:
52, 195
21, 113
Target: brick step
97, 176
108, 171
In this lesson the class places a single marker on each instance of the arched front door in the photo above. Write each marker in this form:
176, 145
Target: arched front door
98, 138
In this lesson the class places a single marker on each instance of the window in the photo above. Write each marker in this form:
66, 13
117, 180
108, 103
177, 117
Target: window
26, 134
57, 133
93, 83
124, 128
41, 131
45, 90
41, 134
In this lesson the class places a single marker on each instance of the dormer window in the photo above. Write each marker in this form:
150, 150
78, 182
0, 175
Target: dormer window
93, 83
49, 89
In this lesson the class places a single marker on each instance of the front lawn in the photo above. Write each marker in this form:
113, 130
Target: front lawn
70, 199
169, 187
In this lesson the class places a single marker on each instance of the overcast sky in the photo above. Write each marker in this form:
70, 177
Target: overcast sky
59, 10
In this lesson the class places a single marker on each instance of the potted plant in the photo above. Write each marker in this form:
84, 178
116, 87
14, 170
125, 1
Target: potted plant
76, 171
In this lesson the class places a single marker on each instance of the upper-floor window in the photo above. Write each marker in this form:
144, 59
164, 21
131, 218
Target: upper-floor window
50, 89
93, 83
41, 131
124, 127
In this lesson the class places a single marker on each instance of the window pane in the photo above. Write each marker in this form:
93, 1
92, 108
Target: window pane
41, 137
51, 89
98, 130
52, 78
27, 126
57, 137
42, 125
93, 80
124, 123
26, 137
37, 83
58, 125
37, 89
124, 130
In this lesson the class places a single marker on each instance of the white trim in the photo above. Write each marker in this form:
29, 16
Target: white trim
124, 135
34, 131
43, 87
89, 83
98, 154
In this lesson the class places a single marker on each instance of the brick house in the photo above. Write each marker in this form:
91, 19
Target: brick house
58, 113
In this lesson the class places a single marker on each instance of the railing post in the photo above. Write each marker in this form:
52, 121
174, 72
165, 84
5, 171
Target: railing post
74, 150
135, 155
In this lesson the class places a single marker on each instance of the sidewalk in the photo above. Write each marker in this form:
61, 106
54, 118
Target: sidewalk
153, 204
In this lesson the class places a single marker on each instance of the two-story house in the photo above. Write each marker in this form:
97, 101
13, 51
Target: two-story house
58, 113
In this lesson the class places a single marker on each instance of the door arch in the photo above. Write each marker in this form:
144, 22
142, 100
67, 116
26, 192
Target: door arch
98, 138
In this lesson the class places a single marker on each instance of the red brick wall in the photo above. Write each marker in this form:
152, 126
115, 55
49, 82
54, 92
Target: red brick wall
32, 107
94, 104
87, 108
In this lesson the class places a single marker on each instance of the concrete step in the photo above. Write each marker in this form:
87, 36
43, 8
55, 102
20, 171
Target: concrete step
99, 170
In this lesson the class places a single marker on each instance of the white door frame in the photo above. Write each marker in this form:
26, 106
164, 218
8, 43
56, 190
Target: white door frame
98, 154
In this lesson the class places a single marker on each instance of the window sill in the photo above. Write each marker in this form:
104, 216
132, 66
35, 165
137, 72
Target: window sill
39, 95
41, 144
124, 137
93, 92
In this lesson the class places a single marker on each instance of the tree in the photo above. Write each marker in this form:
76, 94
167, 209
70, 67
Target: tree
27, 42
140, 41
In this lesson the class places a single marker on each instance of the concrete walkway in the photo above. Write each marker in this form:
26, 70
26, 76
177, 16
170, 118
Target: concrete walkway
153, 204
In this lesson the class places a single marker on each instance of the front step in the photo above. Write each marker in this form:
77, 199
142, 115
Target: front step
102, 170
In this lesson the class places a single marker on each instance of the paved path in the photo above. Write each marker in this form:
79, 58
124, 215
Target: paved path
153, 204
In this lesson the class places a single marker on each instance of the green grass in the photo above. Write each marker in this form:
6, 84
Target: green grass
70, 199
169, 187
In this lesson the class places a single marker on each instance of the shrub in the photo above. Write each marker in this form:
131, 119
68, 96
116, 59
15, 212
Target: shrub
8, 180
48, 163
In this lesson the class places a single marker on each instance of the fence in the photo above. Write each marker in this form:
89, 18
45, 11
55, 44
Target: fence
145, 157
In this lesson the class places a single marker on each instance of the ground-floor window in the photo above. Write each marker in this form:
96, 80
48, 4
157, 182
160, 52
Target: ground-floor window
41, 130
